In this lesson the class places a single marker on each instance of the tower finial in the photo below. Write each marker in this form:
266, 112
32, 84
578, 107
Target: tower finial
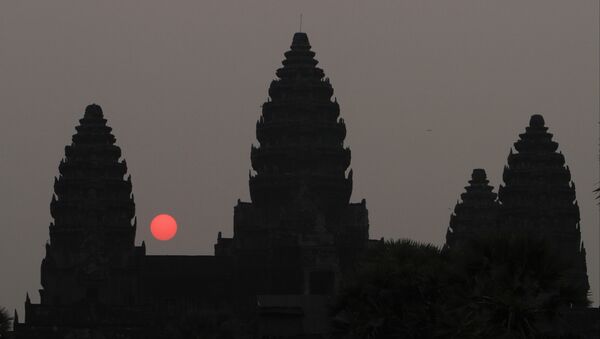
536, 121
300, 23
93, 111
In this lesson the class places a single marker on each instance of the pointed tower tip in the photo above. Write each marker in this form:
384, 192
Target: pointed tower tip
479, 175
536, 121
300, 40
93, 111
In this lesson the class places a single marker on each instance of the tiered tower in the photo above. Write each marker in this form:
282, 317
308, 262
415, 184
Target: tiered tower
300, 229
301, 138
476, 212
91, 255
538, 195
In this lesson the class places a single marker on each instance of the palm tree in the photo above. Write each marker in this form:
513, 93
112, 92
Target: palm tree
506, 285
498, 285
5, 322
394, 294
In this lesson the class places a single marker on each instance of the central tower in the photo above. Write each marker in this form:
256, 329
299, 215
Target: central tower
301, 138
300, 233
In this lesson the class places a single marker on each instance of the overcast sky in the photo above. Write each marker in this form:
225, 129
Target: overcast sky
181, 83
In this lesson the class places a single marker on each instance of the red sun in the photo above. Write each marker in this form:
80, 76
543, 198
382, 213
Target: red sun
163, 227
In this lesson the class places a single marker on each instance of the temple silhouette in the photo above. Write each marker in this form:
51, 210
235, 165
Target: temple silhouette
294, 244
538, 196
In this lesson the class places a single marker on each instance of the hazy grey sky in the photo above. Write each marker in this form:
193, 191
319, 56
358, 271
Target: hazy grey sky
181, 83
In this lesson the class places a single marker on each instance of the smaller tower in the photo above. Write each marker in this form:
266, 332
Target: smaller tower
90, 274
91, 239
476, 212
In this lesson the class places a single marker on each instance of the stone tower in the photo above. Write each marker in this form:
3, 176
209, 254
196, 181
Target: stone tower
301, 138
477, 211
538, 195
300, 229
90, 256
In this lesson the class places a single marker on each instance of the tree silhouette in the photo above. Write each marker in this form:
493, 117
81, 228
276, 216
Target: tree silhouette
395, 293
5, 322
505, 285
498, 285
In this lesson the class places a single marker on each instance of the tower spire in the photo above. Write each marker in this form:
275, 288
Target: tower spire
92, 207
475, 213
300, 214
300, 136
538, 196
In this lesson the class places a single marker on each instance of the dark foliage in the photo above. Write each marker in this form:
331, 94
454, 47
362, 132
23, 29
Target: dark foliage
5, 322
395, 294
496, 286
504, 286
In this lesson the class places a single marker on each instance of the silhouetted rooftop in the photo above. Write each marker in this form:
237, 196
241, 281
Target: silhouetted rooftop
536, 121
300, 40
478, 175
93, 111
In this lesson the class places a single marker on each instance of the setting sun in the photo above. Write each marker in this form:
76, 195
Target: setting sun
163, 227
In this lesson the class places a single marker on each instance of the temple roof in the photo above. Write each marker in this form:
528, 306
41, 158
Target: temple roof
538, 196
537, 162
536, 121
536, 138
91, 188
93, 111
300, 41
299, 60
537, 189
477, 210
300, 134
